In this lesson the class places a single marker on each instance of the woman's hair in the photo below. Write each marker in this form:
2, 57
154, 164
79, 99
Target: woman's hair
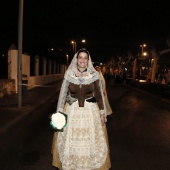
83, 50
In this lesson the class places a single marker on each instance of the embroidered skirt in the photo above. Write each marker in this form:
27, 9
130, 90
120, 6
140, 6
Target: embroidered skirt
83, 145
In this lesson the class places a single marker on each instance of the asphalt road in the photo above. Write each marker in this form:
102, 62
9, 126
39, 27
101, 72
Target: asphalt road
138, 133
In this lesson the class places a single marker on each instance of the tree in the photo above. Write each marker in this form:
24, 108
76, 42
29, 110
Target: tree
155, 57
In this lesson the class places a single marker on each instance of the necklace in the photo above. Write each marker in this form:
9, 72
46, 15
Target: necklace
81, 80
82, 71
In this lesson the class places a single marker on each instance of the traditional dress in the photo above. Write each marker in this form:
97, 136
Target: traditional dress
83, 145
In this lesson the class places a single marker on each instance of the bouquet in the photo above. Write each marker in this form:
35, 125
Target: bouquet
58, 121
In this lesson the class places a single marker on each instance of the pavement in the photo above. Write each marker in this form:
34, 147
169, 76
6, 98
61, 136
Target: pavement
159, 91
11, 114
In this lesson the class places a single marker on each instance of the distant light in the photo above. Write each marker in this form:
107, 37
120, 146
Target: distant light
145, 54
143, 45
74, 42
142, 81
50, 49
143, 68
101, 63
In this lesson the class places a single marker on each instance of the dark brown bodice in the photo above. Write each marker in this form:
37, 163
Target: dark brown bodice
86, 91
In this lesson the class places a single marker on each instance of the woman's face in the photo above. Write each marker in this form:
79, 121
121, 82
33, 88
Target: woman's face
82, 60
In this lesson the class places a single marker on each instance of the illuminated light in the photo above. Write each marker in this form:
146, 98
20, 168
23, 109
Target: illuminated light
75, 44
50, 49
142, 81
145, 54
143, 45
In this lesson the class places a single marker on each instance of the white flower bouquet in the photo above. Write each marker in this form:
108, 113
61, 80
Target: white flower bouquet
58, 121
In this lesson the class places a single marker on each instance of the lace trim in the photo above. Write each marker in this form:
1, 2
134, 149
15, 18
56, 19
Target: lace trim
63, 95
92, 76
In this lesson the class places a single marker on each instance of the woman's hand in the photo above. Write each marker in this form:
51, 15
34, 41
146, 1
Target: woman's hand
102, 117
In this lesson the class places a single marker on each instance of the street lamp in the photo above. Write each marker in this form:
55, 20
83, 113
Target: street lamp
142, 46
145, 53
67, 60
75, 45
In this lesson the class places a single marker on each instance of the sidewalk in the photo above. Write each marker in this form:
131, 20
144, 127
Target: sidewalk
10, 114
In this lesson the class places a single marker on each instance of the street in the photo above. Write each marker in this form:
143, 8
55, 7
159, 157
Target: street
138, 132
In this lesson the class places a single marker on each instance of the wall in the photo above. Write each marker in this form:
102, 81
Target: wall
13, 65
34, 81
7, 87
10, 85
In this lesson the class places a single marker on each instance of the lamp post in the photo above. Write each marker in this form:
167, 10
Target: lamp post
142, 46
142, 55
75, 45
20, 32
67, 59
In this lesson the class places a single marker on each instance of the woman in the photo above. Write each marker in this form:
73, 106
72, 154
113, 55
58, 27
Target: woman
108, 107
83, 145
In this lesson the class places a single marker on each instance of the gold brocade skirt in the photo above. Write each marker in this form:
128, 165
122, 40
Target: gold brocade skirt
56, 159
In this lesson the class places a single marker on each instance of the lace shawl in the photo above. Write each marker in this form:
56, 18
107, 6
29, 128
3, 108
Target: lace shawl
69, 76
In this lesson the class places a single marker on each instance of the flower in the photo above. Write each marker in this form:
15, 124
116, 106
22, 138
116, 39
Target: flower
58, 120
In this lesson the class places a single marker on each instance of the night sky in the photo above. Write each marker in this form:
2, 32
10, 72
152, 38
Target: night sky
110, 28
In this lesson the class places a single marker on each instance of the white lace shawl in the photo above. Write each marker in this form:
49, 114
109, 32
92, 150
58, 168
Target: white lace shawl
69, 76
